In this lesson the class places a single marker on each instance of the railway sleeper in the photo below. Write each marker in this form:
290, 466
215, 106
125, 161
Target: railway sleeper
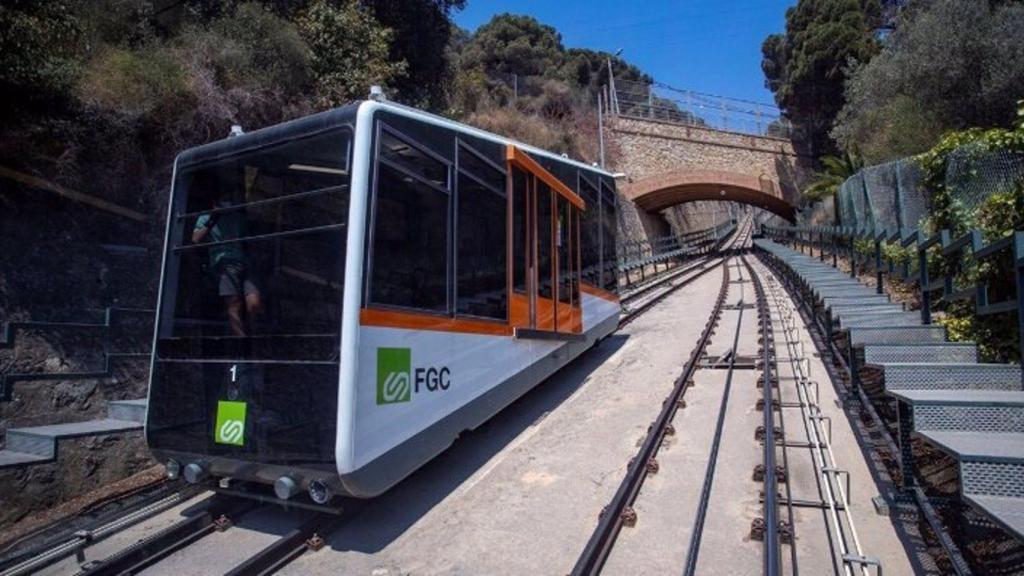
759, 405
780, 473
680, 403
758, 529
759, 434
653, 466
628, 516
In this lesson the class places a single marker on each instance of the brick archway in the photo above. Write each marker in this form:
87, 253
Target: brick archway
657, 193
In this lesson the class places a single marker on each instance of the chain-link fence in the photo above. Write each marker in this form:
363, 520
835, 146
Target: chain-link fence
658, 101
892, 196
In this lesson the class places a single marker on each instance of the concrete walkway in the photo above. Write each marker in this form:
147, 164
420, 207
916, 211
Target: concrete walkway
522, 494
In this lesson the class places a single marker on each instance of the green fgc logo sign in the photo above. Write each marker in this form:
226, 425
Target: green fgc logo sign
230, 426
398, 382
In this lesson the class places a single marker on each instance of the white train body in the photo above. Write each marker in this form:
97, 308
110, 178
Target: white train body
377, 312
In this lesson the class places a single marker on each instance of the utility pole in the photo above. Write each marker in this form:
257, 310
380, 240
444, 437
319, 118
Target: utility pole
613, 100
600, 125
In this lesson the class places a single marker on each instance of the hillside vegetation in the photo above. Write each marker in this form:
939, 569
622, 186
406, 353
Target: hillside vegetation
104, 93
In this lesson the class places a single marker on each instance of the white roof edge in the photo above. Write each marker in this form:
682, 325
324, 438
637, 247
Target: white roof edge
447, 122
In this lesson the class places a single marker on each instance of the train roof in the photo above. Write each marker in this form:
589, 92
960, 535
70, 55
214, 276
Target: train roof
322, 121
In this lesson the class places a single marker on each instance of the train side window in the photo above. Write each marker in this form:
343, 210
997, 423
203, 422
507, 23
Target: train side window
575, 255
591, 232
565, 269
609, 224
520, 200
545, 257
481, 254
410, 235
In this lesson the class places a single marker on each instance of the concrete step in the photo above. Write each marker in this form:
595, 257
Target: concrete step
42, 440
1007, 512
965, 410
852, 292
129, 410
870, 307
12, 459
883, 319
944, 353
991, 463
7, 381
898, 335
872, 299
822, 284
900, 376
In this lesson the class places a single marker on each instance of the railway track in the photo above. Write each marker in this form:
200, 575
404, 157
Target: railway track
642, 299
727, 514
222, 510
621, 512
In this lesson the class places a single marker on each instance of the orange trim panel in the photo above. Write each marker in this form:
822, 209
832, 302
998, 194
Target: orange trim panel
418, 321
600, 293
517, 156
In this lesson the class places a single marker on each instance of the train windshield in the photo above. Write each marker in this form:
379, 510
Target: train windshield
256, 254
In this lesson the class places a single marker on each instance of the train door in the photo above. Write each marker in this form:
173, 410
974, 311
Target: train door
544, 257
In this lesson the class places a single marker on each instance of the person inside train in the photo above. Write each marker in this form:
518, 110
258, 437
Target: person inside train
227, 263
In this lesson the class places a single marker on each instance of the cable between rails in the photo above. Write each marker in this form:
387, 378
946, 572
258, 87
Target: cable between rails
598, 548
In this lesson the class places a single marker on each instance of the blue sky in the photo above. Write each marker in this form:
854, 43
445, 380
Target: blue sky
704, 45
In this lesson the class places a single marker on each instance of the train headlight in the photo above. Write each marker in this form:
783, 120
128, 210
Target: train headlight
320, 492
173, 469
285, 487
194, 473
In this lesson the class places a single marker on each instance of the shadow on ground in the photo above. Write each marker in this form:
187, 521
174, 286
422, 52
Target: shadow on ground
382, 520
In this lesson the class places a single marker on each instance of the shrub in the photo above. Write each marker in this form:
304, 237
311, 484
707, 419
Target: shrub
134, 82
349, 51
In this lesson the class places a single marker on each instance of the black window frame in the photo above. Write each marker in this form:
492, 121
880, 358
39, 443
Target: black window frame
178, 230
381, 126
462, 145
593, 206
609, 224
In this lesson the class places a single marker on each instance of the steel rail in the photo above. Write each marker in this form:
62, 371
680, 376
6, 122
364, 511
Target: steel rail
821, 448
698, 262
741, 238
294, 543
697, 532
599, 546
772, 546
35, 560
150, 550
827, 346
770, 364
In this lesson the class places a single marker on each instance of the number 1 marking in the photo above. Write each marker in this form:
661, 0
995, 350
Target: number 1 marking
234, 372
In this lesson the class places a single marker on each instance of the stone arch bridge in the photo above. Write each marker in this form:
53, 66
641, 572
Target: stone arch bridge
670, 169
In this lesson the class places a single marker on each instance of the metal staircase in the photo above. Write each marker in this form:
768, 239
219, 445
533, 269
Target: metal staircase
971, 411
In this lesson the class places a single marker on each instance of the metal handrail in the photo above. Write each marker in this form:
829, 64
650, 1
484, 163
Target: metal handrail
942, 242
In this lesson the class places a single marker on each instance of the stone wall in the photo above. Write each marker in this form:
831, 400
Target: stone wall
646, 148
700, 215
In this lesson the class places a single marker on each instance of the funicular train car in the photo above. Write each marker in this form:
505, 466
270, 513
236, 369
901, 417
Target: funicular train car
342, 295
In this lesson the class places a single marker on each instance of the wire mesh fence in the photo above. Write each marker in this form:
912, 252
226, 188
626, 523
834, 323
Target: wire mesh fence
893, 196
973, 174
658, 101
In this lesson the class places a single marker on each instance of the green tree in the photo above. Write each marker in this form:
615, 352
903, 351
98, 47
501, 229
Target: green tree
349, 51
420, 33
836, 170
948, 65
806, 67
513, 44
588, 69
39, 49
